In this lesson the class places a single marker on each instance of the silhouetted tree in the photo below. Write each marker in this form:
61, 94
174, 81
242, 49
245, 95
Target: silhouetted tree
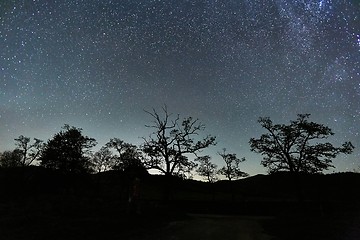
9, 159
68, 151
103, 160
295, 147
206, 168
128, 155
167, 147
29, 151
231, 170
184, 170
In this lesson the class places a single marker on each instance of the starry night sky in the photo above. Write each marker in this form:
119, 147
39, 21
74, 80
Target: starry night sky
98, 64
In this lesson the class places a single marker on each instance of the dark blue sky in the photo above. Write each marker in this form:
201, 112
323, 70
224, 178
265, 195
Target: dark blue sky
98, 64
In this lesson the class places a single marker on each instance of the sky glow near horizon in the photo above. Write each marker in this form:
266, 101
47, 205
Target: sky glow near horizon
98, 64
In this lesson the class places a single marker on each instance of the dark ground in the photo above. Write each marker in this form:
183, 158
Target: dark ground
40, 204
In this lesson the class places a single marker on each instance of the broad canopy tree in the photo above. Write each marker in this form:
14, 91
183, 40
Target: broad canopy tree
168, 147
11, 159
297, 147
68, 151
103, 160
127, 155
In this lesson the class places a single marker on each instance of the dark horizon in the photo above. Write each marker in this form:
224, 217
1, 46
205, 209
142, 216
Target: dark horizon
52, 204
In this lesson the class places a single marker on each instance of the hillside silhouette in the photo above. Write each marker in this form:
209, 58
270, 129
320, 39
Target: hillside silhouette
41, 203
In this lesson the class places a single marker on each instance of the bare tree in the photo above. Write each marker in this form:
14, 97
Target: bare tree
168, 147
231, 170
206, 168
29, 151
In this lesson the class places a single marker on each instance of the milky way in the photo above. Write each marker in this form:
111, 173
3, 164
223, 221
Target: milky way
98, 64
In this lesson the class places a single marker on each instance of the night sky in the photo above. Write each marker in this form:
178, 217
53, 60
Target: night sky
98, 64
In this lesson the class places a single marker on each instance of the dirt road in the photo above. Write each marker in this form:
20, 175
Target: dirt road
215, 227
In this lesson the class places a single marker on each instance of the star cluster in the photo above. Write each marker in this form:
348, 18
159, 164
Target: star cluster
97, 64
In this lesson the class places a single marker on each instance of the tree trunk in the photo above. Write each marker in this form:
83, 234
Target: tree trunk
168, 185
298, 188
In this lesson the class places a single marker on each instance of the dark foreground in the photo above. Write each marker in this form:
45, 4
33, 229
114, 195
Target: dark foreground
216, 227
37, 204
116, 225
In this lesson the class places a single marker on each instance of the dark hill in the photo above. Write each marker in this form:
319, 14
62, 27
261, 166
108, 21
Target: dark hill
32, 181
56, 205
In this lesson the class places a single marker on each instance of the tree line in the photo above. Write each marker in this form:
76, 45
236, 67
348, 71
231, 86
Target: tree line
174, 146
